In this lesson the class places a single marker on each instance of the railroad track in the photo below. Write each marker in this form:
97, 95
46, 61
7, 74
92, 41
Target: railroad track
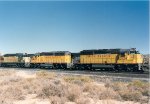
144, 75
91, 73
111, 75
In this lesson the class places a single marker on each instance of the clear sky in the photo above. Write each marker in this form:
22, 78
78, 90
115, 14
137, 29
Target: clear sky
73, 26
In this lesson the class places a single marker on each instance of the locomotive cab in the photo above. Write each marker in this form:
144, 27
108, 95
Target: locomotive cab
130, 60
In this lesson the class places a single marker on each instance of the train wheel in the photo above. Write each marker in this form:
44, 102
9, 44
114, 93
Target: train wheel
116, 69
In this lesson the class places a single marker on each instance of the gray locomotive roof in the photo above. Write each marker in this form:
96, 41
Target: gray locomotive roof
105, 51
53, 53
15, 54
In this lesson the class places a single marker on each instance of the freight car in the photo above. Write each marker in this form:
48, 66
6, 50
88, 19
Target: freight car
56, 60
110, 59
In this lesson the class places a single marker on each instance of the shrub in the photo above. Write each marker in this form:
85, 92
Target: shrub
45, 74
57, 100
74, 92
13, 93
5, 101
109, 93
91, 87
119, 86
108, 83
127, 95
7, 72
47, 89
8, 80
132, 91
141, 86
92, 90
83, 79
85, 100
29, 86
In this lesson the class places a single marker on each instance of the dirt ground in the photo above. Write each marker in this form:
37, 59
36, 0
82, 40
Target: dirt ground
42, 87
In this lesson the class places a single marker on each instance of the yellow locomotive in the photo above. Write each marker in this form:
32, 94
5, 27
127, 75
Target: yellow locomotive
58, 60
1, 60
111, 59
13, 60
102, 59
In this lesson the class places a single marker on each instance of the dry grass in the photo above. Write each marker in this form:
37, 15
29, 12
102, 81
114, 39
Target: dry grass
74, 92
100, 92
131, 96
85, 100
109, 93
140, 86
7, 72
49, 88
78, 89
78, 79
45, 74
134, 91
57, 100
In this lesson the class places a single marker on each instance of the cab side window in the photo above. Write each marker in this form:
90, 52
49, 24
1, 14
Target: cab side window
122, 54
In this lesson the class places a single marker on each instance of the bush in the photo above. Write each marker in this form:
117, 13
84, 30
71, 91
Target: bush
10, 80
48, 88
4, 101
45, 74
7, 72
109, 93
91, 88
132, 91
100, 92
119, 86
85, 100
74, 92
57, 100
140, 86
72, 79
13, 93
127, 95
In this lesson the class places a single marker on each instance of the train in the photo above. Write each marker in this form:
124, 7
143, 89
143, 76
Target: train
129, 60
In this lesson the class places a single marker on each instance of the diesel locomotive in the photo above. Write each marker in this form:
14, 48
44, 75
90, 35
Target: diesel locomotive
111, 59
97, 59
55, 60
